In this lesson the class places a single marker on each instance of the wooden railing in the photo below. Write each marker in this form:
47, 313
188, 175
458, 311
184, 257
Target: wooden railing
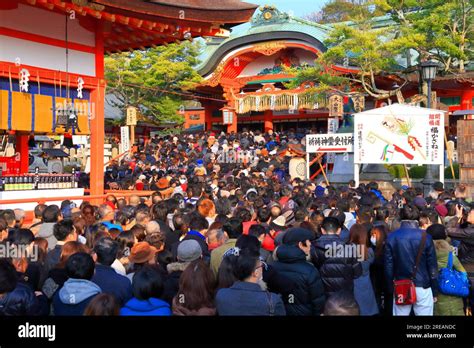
318, 158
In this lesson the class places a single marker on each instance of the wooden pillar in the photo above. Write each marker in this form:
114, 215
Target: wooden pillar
232, 127
466, 99
267, 120
97, 123
22, 149
208, 108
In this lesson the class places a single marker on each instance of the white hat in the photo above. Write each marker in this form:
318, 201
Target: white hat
142, 177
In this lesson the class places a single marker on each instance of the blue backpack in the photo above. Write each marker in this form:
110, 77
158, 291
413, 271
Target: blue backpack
452, 282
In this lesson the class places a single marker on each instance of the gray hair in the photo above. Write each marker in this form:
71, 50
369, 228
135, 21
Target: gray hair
152, 227
19, 214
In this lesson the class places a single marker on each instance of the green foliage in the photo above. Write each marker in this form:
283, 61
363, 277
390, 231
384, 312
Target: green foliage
325, 80
142, 78
443, 29
448, 174
417, 172
440, 29
366, 48
396, 170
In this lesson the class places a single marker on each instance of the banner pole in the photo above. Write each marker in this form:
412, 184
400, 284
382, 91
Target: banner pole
307, 166
356, 174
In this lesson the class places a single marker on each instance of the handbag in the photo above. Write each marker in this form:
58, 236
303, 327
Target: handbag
452, 282
404, 289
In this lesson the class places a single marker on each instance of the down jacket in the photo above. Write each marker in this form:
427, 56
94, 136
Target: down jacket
338, 271
20, 302
307, 291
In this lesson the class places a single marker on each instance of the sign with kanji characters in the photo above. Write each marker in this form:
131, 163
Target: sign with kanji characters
333, 126
131, 116
341, 142
399, 134
124, 139
359, 103
336, 105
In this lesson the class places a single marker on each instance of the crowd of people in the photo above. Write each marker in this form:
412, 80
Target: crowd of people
235, 238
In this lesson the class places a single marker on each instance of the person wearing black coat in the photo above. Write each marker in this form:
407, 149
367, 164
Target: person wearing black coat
307, 295
16, 298
338, 271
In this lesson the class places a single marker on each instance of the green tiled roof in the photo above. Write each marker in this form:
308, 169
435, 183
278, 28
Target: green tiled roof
279, 22
269, 19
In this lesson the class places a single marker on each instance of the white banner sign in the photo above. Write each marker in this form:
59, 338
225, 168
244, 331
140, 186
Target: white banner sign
340, 142
333, 126
124, 139
399, 134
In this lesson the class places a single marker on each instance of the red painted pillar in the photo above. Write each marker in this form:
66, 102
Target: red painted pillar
22, 149
97, 123
466, 99
208, 116
268, 120
232, 127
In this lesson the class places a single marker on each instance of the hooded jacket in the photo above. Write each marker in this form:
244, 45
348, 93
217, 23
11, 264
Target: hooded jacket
150, 307
307, 295
74, 296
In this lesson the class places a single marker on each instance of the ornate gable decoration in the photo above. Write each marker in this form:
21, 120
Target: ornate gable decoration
269, 15
269, 48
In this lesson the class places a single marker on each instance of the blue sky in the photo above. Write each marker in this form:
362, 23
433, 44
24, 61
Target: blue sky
299, 7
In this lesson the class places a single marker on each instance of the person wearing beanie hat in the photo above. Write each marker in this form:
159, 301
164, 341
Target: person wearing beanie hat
441, 210
292, 263
188, 250
446, 305
295, 235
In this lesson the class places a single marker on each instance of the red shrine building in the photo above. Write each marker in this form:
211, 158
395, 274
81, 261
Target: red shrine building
52, 60
247, 73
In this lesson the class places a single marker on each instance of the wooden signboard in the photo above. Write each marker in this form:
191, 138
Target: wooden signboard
466, 154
